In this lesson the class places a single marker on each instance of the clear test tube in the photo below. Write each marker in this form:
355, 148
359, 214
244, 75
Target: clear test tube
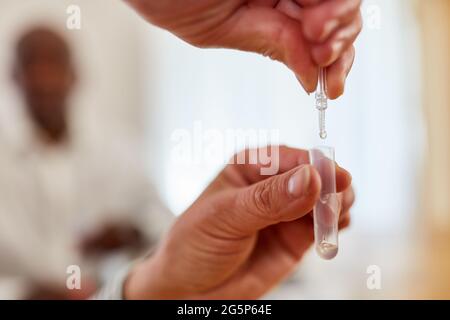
326, 209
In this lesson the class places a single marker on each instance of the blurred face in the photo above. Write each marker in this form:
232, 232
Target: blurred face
45, 76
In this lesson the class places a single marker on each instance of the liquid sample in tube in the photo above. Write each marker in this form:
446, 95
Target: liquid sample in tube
326, 209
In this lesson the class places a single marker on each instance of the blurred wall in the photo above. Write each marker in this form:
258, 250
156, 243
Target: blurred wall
435, 17
435, 20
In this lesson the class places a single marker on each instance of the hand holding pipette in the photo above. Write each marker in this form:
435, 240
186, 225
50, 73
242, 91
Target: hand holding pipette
302, 33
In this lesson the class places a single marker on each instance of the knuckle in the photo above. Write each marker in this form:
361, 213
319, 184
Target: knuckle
314, 30
326, 55
262, 198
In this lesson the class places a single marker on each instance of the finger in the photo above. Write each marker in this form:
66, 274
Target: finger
345, 222
290, 8
271, 33
343, 179
344, 216
338, 72
280, 198
291, 241
326, 214
321, 21
307, 3
327, 53
334, 178
249, 162
347, 199
296, 236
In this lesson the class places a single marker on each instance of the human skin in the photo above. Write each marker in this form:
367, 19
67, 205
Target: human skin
246, 232
303, 34
242, 236
45, 75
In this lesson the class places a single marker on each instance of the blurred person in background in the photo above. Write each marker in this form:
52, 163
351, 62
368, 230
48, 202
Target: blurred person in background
64, 202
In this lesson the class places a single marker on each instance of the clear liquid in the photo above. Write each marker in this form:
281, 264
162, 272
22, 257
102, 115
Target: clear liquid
322, 102
327, 250
322, 131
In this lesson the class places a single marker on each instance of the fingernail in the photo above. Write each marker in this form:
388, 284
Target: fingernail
299, 182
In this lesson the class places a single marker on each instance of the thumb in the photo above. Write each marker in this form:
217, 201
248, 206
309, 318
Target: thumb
280, 198
271, 33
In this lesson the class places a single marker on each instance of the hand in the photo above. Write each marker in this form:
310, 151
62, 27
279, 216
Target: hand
111, 237
303, 34
52, 291
241, 237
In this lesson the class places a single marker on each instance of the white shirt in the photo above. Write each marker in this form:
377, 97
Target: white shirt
52, 194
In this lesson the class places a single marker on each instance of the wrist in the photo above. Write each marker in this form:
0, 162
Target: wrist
148, 280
